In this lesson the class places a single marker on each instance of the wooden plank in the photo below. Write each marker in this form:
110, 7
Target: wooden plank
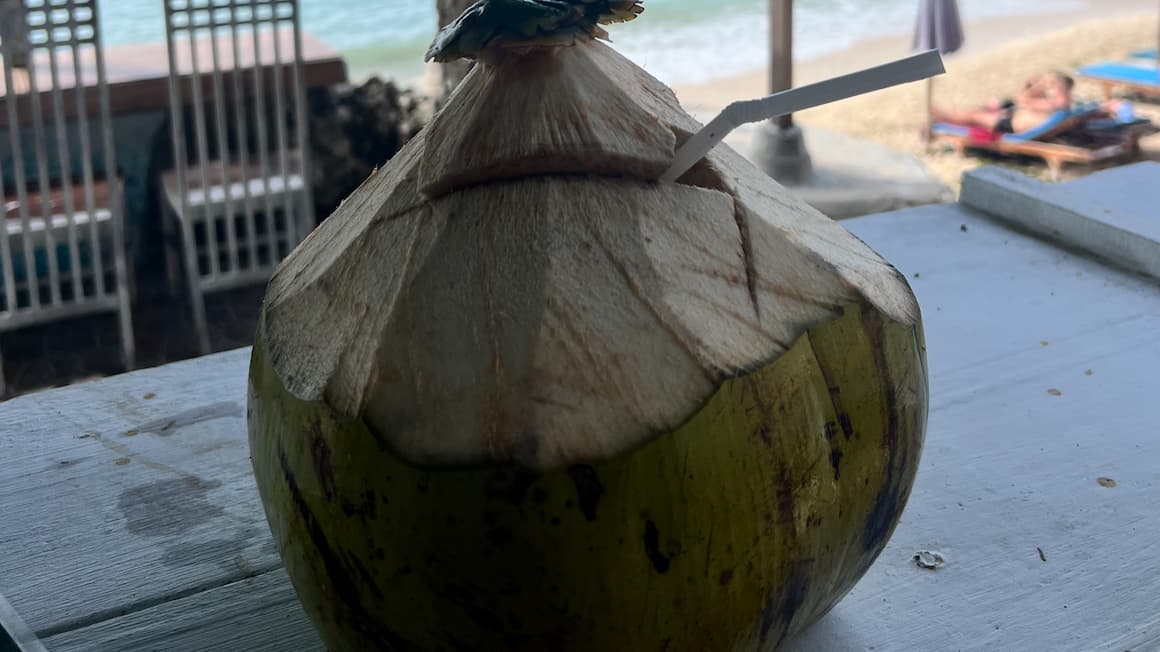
1010, 468
257, 614
1111, 214
123, 493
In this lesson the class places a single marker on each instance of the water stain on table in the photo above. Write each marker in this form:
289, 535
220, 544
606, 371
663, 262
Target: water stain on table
168, 507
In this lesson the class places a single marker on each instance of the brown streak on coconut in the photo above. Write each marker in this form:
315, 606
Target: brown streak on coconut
652, 550
901, 460
337, 573
321, 454
588, 489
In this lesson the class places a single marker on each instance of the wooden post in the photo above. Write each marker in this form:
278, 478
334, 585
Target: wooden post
928, 130
781, 51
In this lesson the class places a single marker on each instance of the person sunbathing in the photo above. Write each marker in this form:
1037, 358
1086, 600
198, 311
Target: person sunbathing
1040, 97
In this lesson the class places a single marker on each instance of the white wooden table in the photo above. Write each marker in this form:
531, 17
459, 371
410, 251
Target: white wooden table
130, 520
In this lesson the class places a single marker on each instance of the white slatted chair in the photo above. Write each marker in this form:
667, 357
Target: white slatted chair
62, 252
239, 190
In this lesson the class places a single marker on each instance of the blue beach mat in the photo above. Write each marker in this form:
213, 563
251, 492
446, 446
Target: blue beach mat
1124, 73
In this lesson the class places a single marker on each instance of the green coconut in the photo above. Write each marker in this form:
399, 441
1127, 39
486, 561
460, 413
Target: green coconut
517, 394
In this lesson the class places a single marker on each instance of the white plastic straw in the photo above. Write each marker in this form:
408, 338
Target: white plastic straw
902, 71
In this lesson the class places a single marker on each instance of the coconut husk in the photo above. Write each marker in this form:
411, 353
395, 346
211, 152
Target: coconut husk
516, 285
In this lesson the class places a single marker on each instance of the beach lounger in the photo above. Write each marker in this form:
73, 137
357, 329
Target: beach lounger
1143, 79
1082, 136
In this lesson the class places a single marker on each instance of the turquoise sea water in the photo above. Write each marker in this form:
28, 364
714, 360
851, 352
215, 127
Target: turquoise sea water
680, 41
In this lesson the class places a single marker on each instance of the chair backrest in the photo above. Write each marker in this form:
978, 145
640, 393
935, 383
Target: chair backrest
62, 239
238, 114
1059, 122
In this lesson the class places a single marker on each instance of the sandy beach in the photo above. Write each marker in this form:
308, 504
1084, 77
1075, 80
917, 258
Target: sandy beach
998, 55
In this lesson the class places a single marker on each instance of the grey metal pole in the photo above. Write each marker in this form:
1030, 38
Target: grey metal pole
781, 51
780, 149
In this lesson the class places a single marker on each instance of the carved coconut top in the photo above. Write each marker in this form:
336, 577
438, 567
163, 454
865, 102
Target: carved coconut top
516, 285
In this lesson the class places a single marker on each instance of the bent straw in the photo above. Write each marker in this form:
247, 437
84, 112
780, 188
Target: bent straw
912, 68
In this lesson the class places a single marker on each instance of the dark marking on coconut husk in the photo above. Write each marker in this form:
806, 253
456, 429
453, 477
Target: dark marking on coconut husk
349, 604
830, 430
835, 391
753, 388
787, 490
366, 510
784, 604
511, 485
652, 548
380, 441
725, 577
522, 481
360, 569
515, 622
464, 597
500, 536
320, 455
844, 422
891, 497
836, 463
847, 427
588, 488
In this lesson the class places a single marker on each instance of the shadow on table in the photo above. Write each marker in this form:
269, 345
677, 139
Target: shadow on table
832, 632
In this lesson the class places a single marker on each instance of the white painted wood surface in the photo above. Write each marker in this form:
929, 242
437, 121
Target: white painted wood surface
156, 554
1114, 213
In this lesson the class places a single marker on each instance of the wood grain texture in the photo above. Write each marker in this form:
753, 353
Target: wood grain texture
124, 493
257, 614
1008, 468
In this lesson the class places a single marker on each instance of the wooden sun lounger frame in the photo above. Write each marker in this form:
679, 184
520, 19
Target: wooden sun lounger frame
1121, 144
1108, 85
